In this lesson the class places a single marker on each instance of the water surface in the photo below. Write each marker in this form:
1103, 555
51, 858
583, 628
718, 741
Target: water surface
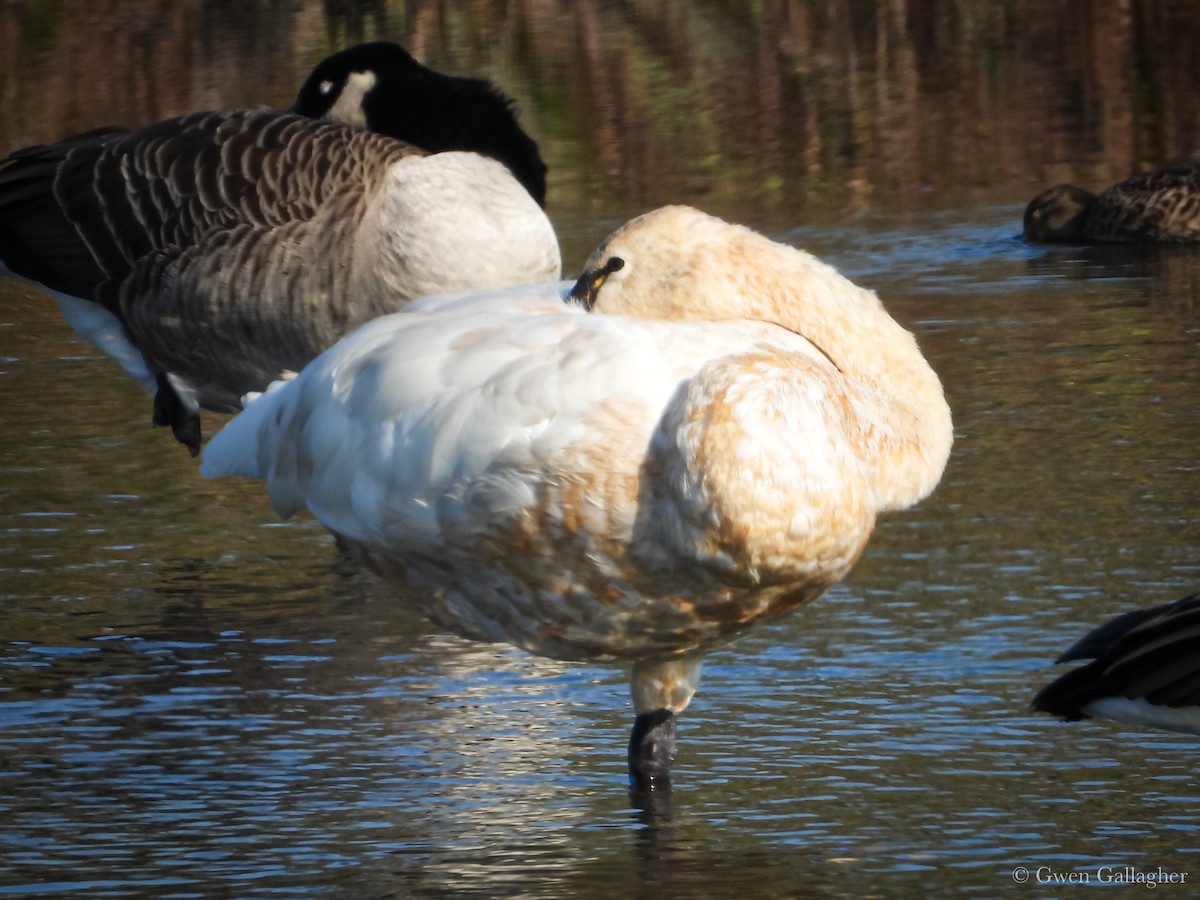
198, 700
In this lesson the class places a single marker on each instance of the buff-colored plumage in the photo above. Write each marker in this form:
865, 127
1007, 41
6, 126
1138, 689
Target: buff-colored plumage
706, 449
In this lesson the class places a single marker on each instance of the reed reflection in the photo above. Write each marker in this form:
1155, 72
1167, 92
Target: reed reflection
903, 747
792, 106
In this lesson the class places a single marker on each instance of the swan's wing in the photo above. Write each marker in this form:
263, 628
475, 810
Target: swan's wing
425, 431
378, 428
549, 297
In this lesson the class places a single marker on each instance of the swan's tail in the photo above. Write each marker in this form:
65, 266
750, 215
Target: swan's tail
236, 450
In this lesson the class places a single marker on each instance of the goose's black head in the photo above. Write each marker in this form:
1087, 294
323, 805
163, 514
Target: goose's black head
380, 87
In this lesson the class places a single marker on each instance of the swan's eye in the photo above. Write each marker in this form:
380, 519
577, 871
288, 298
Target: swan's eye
325, 87
589, 283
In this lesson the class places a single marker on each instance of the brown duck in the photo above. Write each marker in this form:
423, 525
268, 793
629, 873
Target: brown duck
1163, 205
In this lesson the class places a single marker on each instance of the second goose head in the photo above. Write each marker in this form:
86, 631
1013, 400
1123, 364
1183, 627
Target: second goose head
380, 87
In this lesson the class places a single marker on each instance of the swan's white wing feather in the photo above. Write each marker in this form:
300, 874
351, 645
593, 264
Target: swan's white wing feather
526, 298
375, 435
370, 433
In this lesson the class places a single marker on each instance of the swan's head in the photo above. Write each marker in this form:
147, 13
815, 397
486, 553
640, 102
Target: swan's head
1059, 214
588, 286
380, 87
676, 263
679, 263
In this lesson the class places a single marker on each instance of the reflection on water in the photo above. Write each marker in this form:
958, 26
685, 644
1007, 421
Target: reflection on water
196, 699
785, 109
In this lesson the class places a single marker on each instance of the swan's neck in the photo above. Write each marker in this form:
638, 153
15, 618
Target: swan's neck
772, 463
895, 412
769, 466
898, 414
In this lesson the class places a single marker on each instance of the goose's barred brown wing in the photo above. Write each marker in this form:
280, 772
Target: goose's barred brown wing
221, 240
1151, 654
38, 240
1163, 205
252, 218
172, 184
225, 249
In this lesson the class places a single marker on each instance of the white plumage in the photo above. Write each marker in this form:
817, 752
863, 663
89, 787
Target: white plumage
704, 449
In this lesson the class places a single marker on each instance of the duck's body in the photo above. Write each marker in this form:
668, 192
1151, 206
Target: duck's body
1158, 206
706, 449
1144, 669
214, 253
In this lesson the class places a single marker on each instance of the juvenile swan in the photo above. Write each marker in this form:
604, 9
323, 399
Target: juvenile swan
698, 441
211, 254
1163, 205
1144, 670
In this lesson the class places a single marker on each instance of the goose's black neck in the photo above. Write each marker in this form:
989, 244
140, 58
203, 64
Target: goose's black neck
435, 112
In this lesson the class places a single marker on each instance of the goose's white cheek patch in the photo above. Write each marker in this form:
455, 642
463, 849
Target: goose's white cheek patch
348, 108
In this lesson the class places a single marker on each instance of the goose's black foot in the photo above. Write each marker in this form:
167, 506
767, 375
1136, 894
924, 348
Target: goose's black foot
169, 409
651, 751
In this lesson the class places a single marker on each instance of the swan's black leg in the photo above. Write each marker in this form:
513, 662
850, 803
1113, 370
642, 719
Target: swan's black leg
651, 750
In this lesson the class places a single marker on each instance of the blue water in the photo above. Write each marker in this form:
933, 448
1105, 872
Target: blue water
197, 700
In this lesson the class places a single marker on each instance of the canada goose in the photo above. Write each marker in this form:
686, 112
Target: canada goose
213, 253
380, 87
698, 440
1163, 205
1144, 670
